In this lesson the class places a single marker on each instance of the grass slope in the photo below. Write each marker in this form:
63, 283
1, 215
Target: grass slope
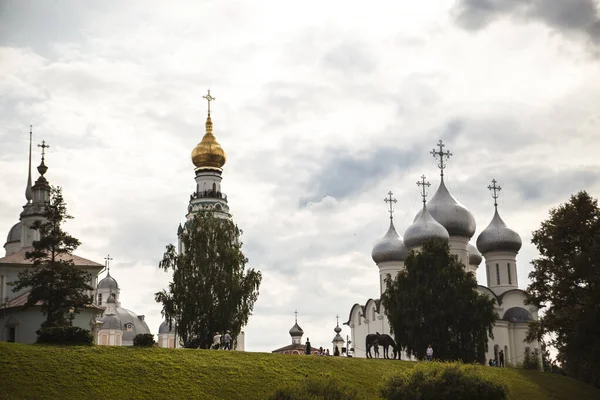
45, 372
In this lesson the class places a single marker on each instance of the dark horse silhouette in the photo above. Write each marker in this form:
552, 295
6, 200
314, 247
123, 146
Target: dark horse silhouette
375, 340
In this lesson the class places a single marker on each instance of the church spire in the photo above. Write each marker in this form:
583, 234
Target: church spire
28, 191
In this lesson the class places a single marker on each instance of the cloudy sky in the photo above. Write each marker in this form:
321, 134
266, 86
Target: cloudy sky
322, 108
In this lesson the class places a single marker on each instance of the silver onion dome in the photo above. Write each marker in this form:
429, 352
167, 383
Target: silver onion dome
498, 237
108, 283
475, 257
296, 330
164, 328
390, 248
449, 212
111, 322
423, 229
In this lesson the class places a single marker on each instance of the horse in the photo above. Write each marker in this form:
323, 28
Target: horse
372, 341
386, 341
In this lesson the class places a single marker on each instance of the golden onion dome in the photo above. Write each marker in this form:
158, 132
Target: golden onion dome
208, 153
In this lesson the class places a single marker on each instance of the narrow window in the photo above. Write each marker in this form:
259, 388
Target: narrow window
487, 272
99, 299
509, 276
374, 312
497, 274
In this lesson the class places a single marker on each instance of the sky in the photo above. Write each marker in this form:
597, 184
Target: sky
321, 107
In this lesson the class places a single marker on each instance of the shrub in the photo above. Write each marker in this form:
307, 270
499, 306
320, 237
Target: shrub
442, 382
322, 387
144, 339
66, 335
531, 360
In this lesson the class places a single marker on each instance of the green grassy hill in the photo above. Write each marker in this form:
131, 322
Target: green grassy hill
40, 372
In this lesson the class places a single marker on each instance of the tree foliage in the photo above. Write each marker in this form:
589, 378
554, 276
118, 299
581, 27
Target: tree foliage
54, 281
211, 290
435, 301
566, 285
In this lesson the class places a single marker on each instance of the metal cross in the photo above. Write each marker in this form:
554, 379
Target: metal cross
208, 98
108, 259
495, 189
390, 202
423, 184
441, 154
44, 146
296, 316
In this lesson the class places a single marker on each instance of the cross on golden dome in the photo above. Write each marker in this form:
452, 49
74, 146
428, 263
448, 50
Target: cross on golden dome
208, 98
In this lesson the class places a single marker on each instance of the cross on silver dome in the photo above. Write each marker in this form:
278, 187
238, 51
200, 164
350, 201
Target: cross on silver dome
495, 189
107, 261
423, 184
441, 154
390, 202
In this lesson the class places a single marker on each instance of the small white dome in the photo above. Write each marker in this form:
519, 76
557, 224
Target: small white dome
498, 237
14, 235
475, 257
390, 248
449, 212
164, 327
424, 228
108, 283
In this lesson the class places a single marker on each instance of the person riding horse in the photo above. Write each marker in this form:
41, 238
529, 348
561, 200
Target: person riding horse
375, 340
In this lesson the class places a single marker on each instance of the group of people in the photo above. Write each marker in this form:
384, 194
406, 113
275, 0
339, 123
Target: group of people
499, 362
322, 352
221, 341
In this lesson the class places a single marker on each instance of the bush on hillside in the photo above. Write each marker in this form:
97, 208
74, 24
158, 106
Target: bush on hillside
144, 339
531, 360
65, 335
442, 382
316, 388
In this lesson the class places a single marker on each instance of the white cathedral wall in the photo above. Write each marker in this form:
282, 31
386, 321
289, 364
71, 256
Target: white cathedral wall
388, 268
498, 264
241, 342
11, 274
458, 247
206, 179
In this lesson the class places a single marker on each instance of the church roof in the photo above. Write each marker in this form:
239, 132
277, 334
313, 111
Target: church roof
424, 228
21, 299
18, 258
296, 346
450, 213
390, 247
14, 235
108, 283
498, 237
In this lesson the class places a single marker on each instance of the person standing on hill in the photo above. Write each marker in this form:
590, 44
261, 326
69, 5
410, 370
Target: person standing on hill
429, 353
501, 358
307, 348
227, 341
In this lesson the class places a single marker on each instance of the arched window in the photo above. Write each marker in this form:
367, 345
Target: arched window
214, 187
506, 357
496, 352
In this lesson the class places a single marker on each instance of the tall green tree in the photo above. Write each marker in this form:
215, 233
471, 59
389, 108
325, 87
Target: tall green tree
565, 284
54, 281
211, 290
435, 301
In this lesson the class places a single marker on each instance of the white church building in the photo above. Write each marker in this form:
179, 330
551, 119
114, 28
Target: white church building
443, 217
108, 322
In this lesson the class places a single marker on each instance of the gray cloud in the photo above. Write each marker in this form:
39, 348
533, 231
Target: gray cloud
579, 17
347, 174
351, 58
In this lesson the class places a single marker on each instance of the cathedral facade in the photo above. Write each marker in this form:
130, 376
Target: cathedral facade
443, 217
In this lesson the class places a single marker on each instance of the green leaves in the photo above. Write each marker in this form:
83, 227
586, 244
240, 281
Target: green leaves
435, 301
211, 290
565, 282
